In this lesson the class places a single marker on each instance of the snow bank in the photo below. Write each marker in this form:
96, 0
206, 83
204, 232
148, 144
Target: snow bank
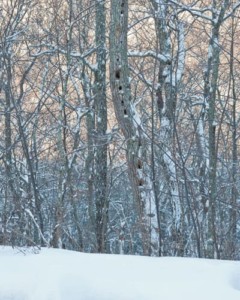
65, 275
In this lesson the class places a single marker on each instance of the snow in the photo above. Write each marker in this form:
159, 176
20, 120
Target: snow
66, 275
181, 56
160, 57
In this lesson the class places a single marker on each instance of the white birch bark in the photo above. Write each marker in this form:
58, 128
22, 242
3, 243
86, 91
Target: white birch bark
168, 81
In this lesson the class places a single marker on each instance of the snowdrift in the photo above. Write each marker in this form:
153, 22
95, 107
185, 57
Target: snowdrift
66, 275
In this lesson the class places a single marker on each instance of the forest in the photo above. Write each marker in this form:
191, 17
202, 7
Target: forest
120, 126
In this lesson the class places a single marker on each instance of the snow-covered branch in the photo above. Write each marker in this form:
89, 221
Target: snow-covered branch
149, 53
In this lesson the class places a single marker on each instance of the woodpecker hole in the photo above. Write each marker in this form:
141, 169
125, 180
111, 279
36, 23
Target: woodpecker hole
139, 164
117, 74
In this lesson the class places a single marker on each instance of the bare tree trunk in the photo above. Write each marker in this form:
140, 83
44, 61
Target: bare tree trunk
234, 192
125, 111
210, 94
167, 100
101, 128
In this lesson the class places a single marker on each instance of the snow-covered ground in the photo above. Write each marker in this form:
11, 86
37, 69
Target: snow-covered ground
65, 275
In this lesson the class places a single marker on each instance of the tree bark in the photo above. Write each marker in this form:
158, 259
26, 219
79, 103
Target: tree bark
100, 100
